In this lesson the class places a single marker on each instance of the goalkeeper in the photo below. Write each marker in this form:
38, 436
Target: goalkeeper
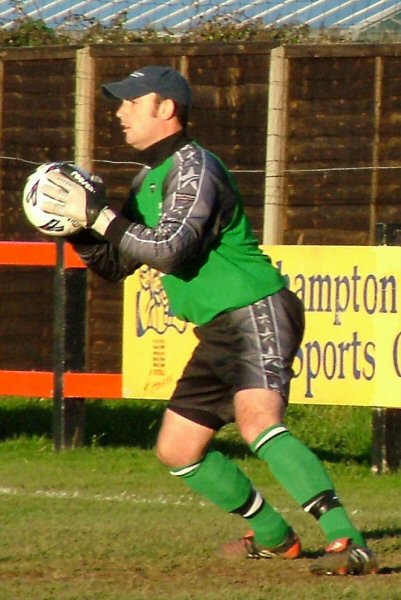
184, 217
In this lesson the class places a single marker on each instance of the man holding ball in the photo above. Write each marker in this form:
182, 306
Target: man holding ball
185, 218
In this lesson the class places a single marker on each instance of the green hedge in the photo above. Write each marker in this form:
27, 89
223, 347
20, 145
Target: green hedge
27, 31
335, 433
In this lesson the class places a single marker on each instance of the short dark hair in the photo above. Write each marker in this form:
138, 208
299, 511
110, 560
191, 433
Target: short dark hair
182, 114
181, 111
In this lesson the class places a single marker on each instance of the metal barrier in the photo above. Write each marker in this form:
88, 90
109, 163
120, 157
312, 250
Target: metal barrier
67, 384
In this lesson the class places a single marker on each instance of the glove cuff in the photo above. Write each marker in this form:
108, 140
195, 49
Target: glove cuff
103, 220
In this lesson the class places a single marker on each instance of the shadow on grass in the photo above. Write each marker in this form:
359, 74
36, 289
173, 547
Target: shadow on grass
137, 422
379, 534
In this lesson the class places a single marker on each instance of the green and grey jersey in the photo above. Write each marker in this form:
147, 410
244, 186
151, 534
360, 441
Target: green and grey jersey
185, 218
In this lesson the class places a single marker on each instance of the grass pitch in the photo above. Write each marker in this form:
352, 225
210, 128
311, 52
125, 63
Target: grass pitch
112, 524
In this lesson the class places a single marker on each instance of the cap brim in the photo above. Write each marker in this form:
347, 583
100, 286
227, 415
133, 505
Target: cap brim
124, 90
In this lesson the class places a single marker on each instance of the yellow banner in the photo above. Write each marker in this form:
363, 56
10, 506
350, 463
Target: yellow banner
156, 345
351, 351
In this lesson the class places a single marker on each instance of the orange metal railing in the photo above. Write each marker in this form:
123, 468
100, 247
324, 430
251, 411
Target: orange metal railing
41, 383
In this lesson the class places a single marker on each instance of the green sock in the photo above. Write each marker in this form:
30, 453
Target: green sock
337, 524
221, 481
304, 477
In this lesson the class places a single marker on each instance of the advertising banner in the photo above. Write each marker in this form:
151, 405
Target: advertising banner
351, 351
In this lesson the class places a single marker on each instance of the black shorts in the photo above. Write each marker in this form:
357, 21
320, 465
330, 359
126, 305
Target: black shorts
251, 347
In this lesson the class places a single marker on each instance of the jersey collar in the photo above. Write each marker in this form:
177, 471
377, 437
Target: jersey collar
157, 153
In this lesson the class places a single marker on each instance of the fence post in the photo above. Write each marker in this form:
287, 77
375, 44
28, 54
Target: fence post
76, 344
277, 118
71, 284
69, 350
386, 422
59, 346
84, 108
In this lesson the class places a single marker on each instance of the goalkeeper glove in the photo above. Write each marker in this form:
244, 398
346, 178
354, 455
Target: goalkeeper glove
72, 192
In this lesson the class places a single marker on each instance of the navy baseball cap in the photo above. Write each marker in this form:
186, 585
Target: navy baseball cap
165, 81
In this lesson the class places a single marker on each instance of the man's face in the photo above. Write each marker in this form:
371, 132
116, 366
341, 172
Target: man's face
140, 121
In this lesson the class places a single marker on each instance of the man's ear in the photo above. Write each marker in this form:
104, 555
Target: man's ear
167, 109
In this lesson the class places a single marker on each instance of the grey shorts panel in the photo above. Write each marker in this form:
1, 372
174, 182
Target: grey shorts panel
251, 347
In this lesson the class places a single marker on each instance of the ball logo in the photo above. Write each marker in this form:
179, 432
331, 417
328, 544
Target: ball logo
32, 196
52, 225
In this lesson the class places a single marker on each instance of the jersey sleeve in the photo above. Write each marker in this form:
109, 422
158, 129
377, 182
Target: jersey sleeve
102, 257
191, 219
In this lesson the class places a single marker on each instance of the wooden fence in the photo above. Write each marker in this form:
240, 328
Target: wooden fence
333, 152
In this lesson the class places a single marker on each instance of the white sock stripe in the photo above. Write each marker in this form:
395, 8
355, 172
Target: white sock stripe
307, 507
185, 470
269, 436
256, 505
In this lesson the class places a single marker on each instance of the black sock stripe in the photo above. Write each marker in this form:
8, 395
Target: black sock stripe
322, 503
254, 501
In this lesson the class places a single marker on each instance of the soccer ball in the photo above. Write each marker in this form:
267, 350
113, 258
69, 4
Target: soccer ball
32, 198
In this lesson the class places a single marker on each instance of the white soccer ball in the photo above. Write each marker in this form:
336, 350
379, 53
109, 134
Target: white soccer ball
32, 198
